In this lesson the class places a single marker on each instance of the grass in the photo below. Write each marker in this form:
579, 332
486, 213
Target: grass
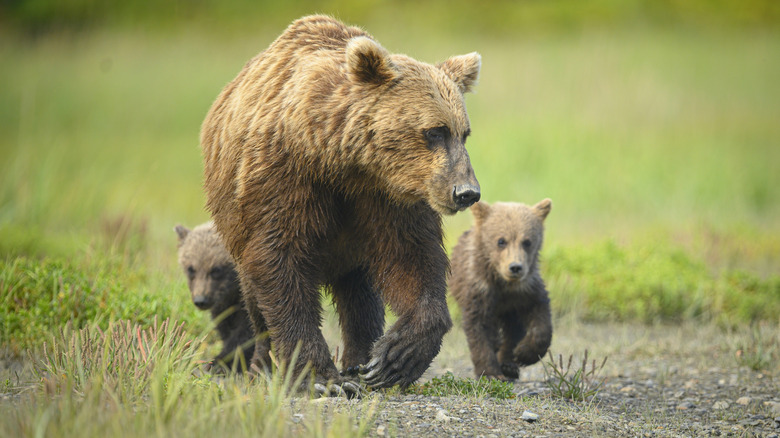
657, 144
449, 385
579, 383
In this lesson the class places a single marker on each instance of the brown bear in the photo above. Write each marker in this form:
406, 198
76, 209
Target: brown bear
214, 285
328, 163
496, 283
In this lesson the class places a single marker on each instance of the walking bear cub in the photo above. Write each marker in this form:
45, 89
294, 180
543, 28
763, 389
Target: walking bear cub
213, 284
328, 162
496, 283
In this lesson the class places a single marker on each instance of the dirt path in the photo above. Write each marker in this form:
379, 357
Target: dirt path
660, 381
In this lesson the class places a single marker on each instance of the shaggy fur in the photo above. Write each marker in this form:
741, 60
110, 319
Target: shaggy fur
214, 286
328, 162
496, 283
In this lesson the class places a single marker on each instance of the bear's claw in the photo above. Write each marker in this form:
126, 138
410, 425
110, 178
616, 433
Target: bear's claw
344, 389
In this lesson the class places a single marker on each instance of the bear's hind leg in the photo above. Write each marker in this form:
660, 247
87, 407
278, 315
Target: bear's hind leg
361, 317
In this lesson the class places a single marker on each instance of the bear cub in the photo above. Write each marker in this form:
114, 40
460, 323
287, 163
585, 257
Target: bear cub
214, 285
496, 283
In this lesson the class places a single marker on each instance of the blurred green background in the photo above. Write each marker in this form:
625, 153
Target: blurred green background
654, 125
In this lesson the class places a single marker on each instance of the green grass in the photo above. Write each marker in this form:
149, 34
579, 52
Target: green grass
450, 385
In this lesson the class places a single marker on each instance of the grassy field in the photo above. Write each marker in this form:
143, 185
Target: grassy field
659, 146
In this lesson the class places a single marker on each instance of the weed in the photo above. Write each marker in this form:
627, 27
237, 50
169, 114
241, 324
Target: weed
449, 385
574, 384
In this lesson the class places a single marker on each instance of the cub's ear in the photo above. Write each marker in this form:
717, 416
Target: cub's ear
480, 210
368, 62
182, 231
463, 70
543, 208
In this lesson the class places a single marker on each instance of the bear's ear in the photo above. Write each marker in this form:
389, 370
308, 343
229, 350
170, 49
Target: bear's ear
463, 70
182, 231
368, 62
543, 208
480, 210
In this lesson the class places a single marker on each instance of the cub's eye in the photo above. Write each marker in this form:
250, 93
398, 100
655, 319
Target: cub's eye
190, 271
526, 243
437, 135
217, 272
501, 242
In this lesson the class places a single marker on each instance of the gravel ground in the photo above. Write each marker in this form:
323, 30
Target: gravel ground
660, 381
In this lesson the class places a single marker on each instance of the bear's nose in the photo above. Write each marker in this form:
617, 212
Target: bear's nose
202, 302
465, 195
516, 268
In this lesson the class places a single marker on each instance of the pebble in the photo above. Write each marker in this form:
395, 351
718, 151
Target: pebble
720, 404
380, 430
744, 401
529, 416
685, 406
774, 407
441, 415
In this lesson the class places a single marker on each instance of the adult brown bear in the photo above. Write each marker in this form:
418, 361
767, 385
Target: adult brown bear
328, 162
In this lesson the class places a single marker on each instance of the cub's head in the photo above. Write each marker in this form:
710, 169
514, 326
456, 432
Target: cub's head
510, 236
210, 272
418, 124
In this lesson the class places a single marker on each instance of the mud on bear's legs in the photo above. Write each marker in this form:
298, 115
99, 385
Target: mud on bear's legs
361, 317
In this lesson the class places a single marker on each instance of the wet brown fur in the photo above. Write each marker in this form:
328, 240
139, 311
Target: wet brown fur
318, 173
506, 315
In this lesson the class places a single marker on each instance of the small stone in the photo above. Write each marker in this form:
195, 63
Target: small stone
380, 430
690, 384
774, 407
441, 415
529, 416
684, 406
744, 401
627, 389
720, 404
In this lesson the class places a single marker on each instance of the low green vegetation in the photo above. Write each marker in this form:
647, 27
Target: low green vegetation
449, 385
579, 383
127, 380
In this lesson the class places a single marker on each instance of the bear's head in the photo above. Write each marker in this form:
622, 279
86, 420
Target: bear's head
210, 271
418, 124
509, 236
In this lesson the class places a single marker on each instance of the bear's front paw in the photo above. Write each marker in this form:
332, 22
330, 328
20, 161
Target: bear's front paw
340, 388
510, 370
397, 360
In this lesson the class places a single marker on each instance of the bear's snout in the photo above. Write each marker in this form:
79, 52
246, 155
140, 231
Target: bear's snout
465, 195
516, 269
202, 302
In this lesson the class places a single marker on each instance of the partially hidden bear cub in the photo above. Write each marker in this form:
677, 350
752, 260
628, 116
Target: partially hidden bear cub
328, 162
214, 286
496, 283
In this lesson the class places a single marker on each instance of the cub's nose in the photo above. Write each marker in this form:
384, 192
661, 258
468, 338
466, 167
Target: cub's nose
465, 195
516, 268
202, 302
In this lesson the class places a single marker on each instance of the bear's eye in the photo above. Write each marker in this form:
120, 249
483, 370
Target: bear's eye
437, 135
217, 272
501, 242
190, 271
526, 243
